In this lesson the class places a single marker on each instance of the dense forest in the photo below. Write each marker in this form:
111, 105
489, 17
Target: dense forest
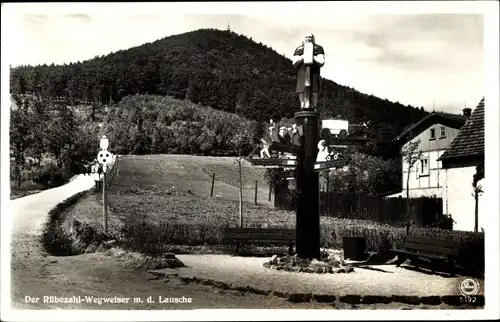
219, 69
49, 141
148, 124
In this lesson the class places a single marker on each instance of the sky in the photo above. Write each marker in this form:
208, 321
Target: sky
432, 58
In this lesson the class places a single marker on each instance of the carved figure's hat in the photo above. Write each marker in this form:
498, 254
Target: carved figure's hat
310, 34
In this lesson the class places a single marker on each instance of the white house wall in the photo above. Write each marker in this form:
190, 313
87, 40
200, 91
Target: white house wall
428, 144
425, 186
458, 198
428, 185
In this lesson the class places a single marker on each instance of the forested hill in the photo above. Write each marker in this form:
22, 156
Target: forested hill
221, 69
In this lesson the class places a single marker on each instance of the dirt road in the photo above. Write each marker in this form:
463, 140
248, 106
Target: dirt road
35, 275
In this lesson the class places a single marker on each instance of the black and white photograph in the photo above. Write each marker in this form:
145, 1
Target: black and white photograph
250, 161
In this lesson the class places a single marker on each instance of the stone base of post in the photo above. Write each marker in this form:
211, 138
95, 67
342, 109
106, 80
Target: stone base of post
308, 229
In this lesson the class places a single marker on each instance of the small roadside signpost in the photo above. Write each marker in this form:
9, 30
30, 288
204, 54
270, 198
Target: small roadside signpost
104, 157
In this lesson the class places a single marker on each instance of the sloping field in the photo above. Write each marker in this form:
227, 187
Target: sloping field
192, 173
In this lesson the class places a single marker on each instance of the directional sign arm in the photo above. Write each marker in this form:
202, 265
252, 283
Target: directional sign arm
289, 163
285, 148
321, 166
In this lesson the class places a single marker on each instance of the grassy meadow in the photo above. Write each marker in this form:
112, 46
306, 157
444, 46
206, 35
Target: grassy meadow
191, 173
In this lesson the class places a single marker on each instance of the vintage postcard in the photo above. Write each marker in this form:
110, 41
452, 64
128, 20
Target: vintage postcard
249, 161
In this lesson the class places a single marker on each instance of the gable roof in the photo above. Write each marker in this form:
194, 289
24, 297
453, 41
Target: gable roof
470, 138
448, 119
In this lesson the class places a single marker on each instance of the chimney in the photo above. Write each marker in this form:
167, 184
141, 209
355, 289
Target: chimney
467, 111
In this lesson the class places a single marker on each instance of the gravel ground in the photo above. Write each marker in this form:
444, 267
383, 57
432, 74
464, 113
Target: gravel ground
381, 280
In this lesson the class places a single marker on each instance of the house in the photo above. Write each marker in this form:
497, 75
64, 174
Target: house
460, 160
436, 131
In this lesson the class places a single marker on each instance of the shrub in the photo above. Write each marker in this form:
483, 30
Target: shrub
444, 222
56, 241
151, 239
48, 174
87, 235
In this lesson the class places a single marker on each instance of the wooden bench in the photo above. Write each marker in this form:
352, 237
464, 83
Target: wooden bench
429, 248
274, 236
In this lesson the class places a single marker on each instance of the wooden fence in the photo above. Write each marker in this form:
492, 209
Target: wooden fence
396, 211
422, 211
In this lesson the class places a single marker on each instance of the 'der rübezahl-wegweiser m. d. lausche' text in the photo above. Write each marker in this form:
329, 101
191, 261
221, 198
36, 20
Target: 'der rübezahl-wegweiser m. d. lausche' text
104, 300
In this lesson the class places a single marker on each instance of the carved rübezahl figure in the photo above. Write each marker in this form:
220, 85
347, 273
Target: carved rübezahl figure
322, 151
308, 59
265, 149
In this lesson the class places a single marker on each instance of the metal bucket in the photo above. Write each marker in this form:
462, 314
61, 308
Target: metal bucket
354, 248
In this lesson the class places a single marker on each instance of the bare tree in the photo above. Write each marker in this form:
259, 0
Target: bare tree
410, 157
478, 189
239, 160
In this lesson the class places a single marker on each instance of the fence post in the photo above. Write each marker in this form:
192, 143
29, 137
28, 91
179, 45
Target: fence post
407, 228
212, 190
256, 184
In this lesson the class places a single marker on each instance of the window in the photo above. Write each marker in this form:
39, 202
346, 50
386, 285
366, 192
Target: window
424, 167
433, 134
442, 131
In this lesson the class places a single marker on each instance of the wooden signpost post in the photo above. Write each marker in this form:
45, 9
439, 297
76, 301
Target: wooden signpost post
307, 59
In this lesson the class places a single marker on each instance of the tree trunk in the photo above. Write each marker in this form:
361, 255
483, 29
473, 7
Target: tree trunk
241, 194
476, 211
408, 193
408, 185
327, 199
19, 178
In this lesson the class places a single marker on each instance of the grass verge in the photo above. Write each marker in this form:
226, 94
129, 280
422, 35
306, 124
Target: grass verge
26, 189
60, 239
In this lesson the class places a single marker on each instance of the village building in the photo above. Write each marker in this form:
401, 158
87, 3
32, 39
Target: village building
435, 132
461, 161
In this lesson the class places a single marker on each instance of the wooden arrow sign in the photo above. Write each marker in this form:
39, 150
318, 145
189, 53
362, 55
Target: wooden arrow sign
288, 173
285, 148
274, 163
345, 141
326, 165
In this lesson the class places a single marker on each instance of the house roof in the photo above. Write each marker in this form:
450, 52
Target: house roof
448, 119
470, 138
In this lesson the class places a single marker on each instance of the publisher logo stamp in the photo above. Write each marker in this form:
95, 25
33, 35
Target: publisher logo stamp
469, 287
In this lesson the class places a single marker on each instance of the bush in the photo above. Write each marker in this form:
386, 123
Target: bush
140, 236
444, 222
56, 241
48, 174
